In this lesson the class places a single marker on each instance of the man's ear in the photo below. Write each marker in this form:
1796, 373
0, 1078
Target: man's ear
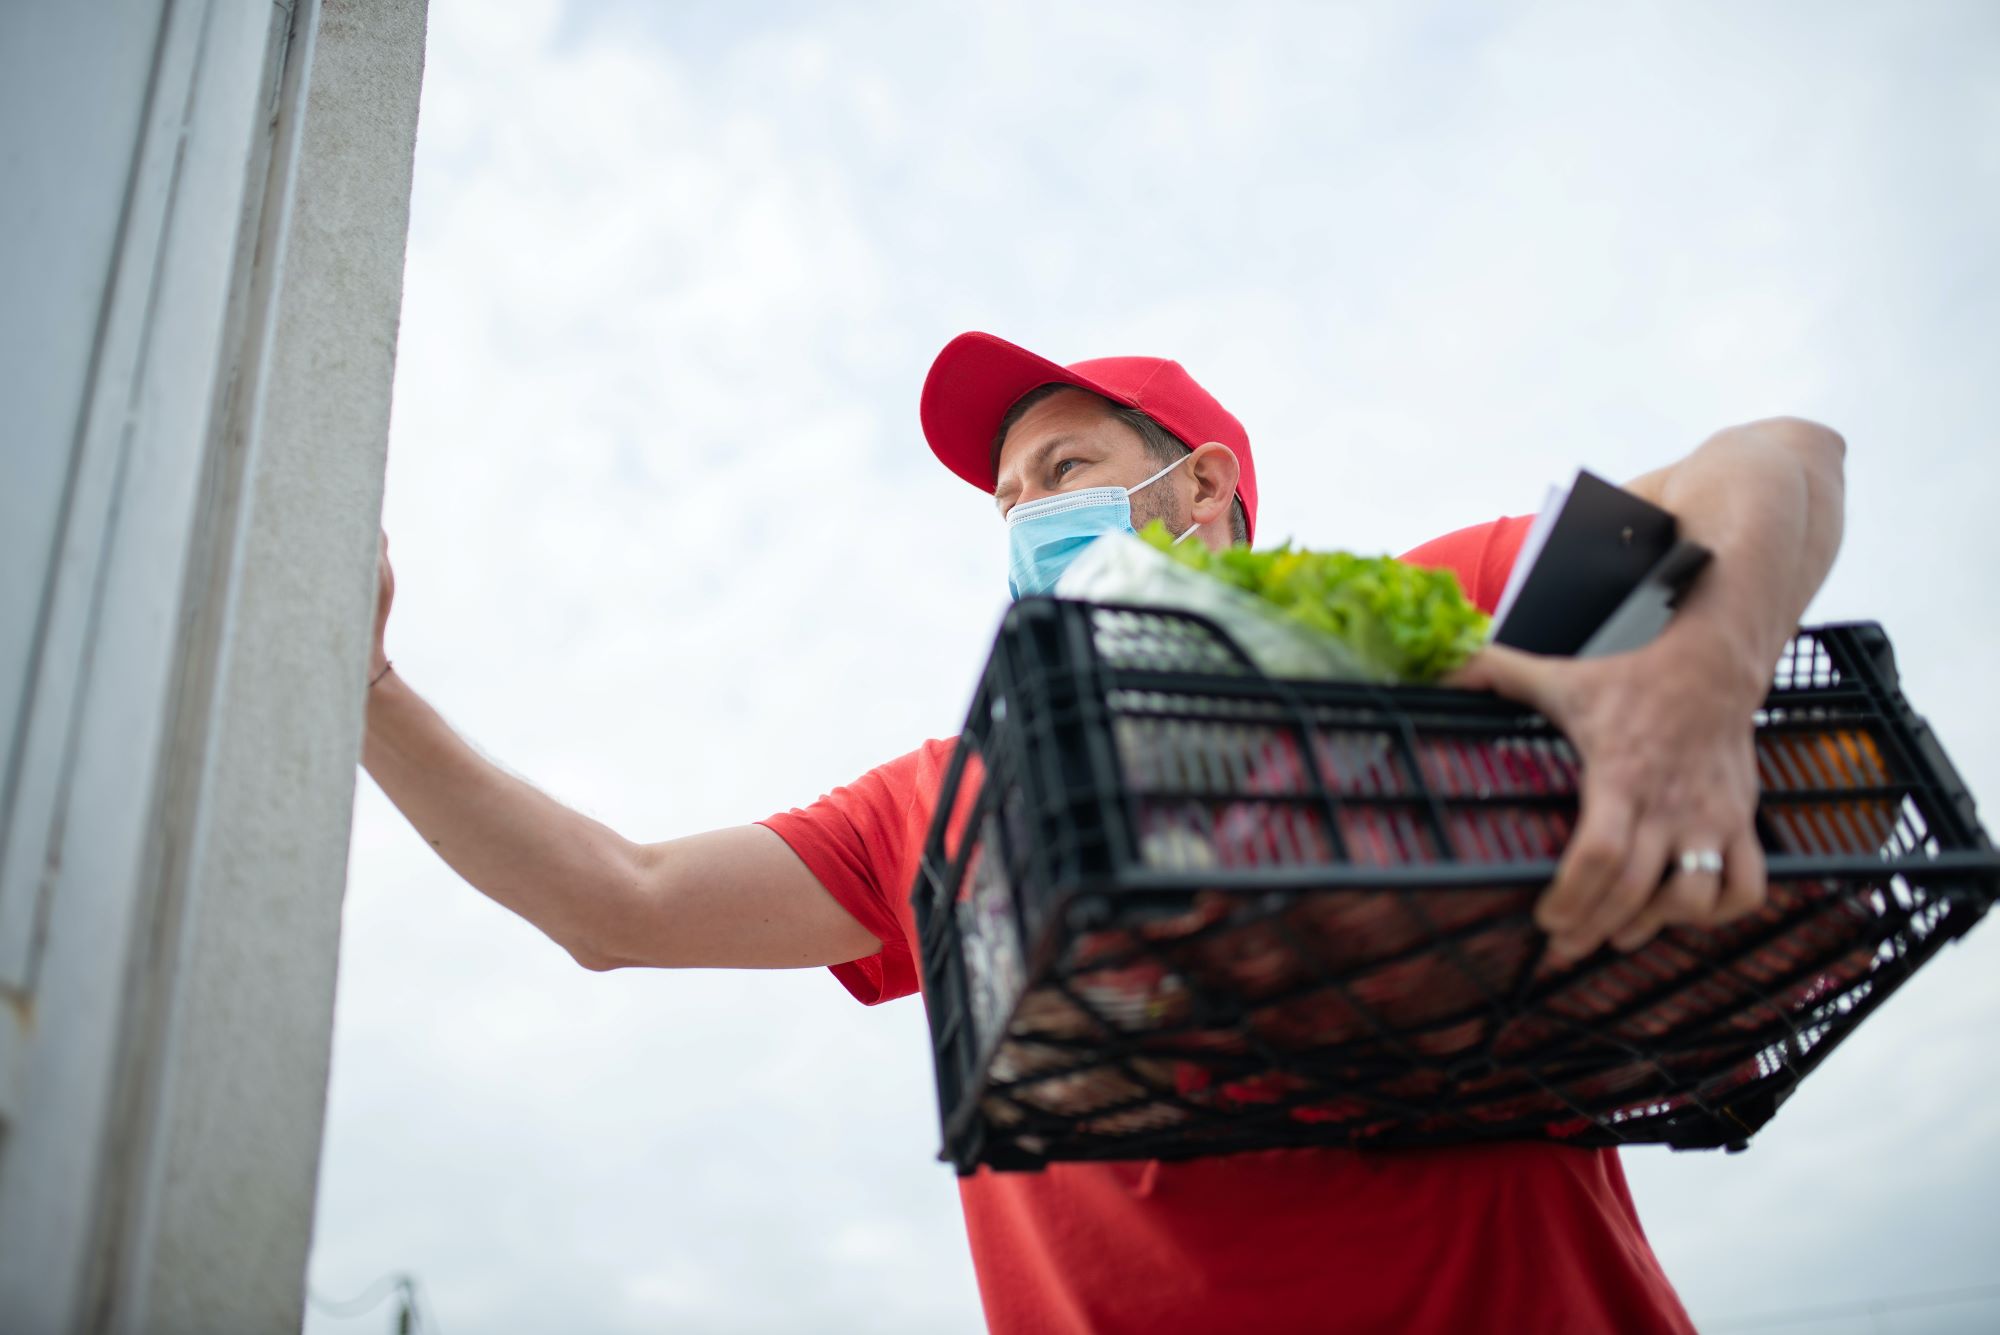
1215, 472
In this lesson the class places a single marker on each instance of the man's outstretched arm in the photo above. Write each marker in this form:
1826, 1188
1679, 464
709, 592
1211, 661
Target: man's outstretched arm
1665, 731
732, 898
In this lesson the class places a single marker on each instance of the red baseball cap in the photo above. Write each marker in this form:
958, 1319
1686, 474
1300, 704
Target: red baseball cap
977, 378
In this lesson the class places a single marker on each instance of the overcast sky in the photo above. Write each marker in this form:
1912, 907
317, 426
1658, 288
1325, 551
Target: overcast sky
669, 543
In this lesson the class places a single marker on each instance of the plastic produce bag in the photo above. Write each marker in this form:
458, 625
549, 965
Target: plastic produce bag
1120, 568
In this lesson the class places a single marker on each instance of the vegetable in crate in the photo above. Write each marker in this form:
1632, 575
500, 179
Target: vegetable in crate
1296, 613
1409, 623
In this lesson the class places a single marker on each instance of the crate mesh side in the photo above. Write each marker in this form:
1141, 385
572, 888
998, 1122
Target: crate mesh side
1217, 999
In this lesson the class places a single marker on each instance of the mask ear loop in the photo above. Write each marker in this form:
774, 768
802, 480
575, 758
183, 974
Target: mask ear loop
1162, 473
1130, 491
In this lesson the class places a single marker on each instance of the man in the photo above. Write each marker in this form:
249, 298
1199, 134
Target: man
1527, 1237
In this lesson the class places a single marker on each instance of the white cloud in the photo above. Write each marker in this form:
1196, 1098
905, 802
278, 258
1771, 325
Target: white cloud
670, 544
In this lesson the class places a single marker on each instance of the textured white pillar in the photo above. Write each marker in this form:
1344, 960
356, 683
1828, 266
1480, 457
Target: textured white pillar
205, 212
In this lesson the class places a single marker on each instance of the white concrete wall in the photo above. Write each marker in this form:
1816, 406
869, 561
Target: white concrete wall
193, 445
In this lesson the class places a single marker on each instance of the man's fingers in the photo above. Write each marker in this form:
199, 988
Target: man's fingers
385, 593
1597, 853
1703, 899
1643, 927
1688, 898
1744, 889
1509, 672
1628, 895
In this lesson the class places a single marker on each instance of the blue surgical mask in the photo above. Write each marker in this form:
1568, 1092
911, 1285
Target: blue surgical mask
1044, 536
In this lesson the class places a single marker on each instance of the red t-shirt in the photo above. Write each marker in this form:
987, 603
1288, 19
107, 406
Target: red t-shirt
1514, 1237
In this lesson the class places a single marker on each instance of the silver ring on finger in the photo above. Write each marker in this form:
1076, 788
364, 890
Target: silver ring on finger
1701, 860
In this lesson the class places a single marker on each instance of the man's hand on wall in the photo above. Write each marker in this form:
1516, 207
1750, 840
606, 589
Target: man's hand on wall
1666, 739
385, 594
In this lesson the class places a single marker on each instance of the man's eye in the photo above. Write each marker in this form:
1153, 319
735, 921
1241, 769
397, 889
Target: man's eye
1065, 463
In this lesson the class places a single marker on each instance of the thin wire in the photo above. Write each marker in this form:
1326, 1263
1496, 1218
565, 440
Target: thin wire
366, 1299
417, 1313
1861, 1307
426, 1314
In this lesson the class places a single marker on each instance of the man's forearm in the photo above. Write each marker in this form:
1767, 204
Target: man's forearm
1767, 498
1669, 765
564, 872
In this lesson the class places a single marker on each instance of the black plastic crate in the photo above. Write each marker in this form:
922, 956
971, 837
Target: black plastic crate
1170, 906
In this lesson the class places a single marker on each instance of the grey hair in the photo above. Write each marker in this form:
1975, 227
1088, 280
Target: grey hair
1162, 445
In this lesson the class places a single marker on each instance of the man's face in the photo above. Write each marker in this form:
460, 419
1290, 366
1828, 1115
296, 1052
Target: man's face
1072, 440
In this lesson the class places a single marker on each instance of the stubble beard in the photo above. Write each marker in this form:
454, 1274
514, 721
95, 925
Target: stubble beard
1166, 508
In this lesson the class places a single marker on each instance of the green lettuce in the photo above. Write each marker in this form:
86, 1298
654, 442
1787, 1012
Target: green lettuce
1406, 622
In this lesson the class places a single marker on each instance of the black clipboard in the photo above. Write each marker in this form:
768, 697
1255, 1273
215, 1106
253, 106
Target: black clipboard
1606, 569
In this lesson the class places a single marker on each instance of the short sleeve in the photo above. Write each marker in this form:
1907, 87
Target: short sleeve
852, 841
1482, 556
